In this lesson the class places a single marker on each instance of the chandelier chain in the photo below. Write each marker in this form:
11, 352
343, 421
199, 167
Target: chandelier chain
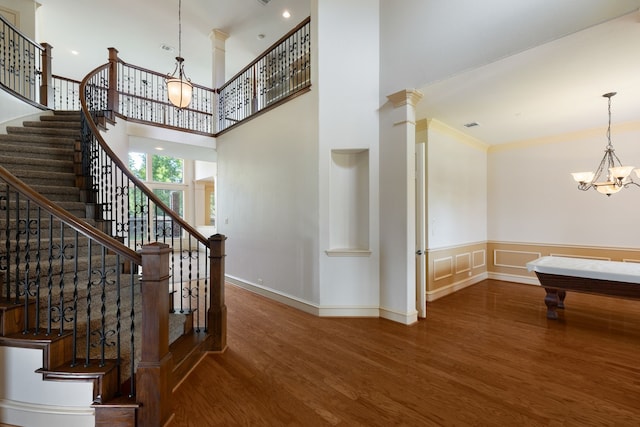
180, 42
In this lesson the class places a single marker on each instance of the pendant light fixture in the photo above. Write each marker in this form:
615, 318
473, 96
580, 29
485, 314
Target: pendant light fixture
179, 86
618, 176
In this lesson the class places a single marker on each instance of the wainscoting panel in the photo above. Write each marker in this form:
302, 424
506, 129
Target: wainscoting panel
442, 268
463, 263
508, 261
453, 268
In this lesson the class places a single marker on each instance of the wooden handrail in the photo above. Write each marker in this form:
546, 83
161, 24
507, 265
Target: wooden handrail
138, 183
70, 220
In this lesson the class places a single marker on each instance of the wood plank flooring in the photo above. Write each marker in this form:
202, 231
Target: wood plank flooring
485, 356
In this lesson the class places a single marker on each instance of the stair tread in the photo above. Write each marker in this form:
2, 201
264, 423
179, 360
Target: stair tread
80, 369
36, 139
51, 123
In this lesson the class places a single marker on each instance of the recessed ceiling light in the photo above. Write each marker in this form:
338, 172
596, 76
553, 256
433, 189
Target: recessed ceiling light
286, 14
471, 124
159, 148
75, 52
167, 47
260, 36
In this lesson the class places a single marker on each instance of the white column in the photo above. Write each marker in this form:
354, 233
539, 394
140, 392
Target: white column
397, 207
218, 39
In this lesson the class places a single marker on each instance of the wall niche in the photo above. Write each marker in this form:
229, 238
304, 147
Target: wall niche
349, 203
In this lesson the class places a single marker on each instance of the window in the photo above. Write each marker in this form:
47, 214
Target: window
167, 182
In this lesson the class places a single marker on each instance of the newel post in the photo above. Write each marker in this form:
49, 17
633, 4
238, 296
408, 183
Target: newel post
217, 315
112, 91
153, 376
46, 82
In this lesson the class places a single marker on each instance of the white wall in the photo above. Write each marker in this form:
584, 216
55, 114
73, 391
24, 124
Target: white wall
13, 111
533, 198
26, 400
268, 200
26, 15
456, 188
347, 35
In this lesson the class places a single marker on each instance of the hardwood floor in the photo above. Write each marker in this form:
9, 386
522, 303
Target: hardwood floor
485, 356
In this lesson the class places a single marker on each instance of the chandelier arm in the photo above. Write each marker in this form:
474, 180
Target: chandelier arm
616, 158
600, 168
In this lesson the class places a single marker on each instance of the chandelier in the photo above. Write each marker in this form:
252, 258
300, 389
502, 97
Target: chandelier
618, 176
179, 86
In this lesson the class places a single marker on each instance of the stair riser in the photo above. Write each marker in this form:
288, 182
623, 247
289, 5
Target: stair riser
22, 163
66, 117
38, 141
61, 180
65, 133
53, 124
38, 153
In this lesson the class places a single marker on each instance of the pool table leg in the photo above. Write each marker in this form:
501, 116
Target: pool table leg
561, 296
552, 301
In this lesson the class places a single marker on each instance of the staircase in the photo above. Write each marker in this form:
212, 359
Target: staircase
93, 290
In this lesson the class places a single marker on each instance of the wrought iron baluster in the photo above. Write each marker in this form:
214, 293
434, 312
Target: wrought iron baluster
132, 313
118, 314
50, 278
17, 252
74, 349
38, 269
87, 356
5, 259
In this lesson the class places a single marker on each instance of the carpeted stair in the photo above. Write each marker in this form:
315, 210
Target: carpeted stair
41, 153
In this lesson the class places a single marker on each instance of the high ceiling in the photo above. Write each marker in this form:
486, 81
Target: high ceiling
140, 28
547, 90
521, 69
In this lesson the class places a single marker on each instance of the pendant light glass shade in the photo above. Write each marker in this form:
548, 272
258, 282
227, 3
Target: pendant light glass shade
179, 88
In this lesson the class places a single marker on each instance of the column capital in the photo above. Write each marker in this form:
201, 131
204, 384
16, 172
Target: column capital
218, 35
404, 97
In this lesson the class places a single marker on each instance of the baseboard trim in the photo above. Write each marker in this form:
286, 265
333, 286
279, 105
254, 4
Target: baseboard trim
454, 287
404, 318
294, 302
349, 312
307, 307
526, 280
23, 414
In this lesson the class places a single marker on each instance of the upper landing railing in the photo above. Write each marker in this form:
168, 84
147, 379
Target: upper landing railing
280, 73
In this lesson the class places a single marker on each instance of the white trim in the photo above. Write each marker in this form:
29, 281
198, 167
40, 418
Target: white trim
484, 258
283, 298
435, 268
348, 252
453, 247
20, 413
454, 287
349, 312
558, 245
468, 255
495, 257
404, 318
601, 258
322, 311
526, 280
